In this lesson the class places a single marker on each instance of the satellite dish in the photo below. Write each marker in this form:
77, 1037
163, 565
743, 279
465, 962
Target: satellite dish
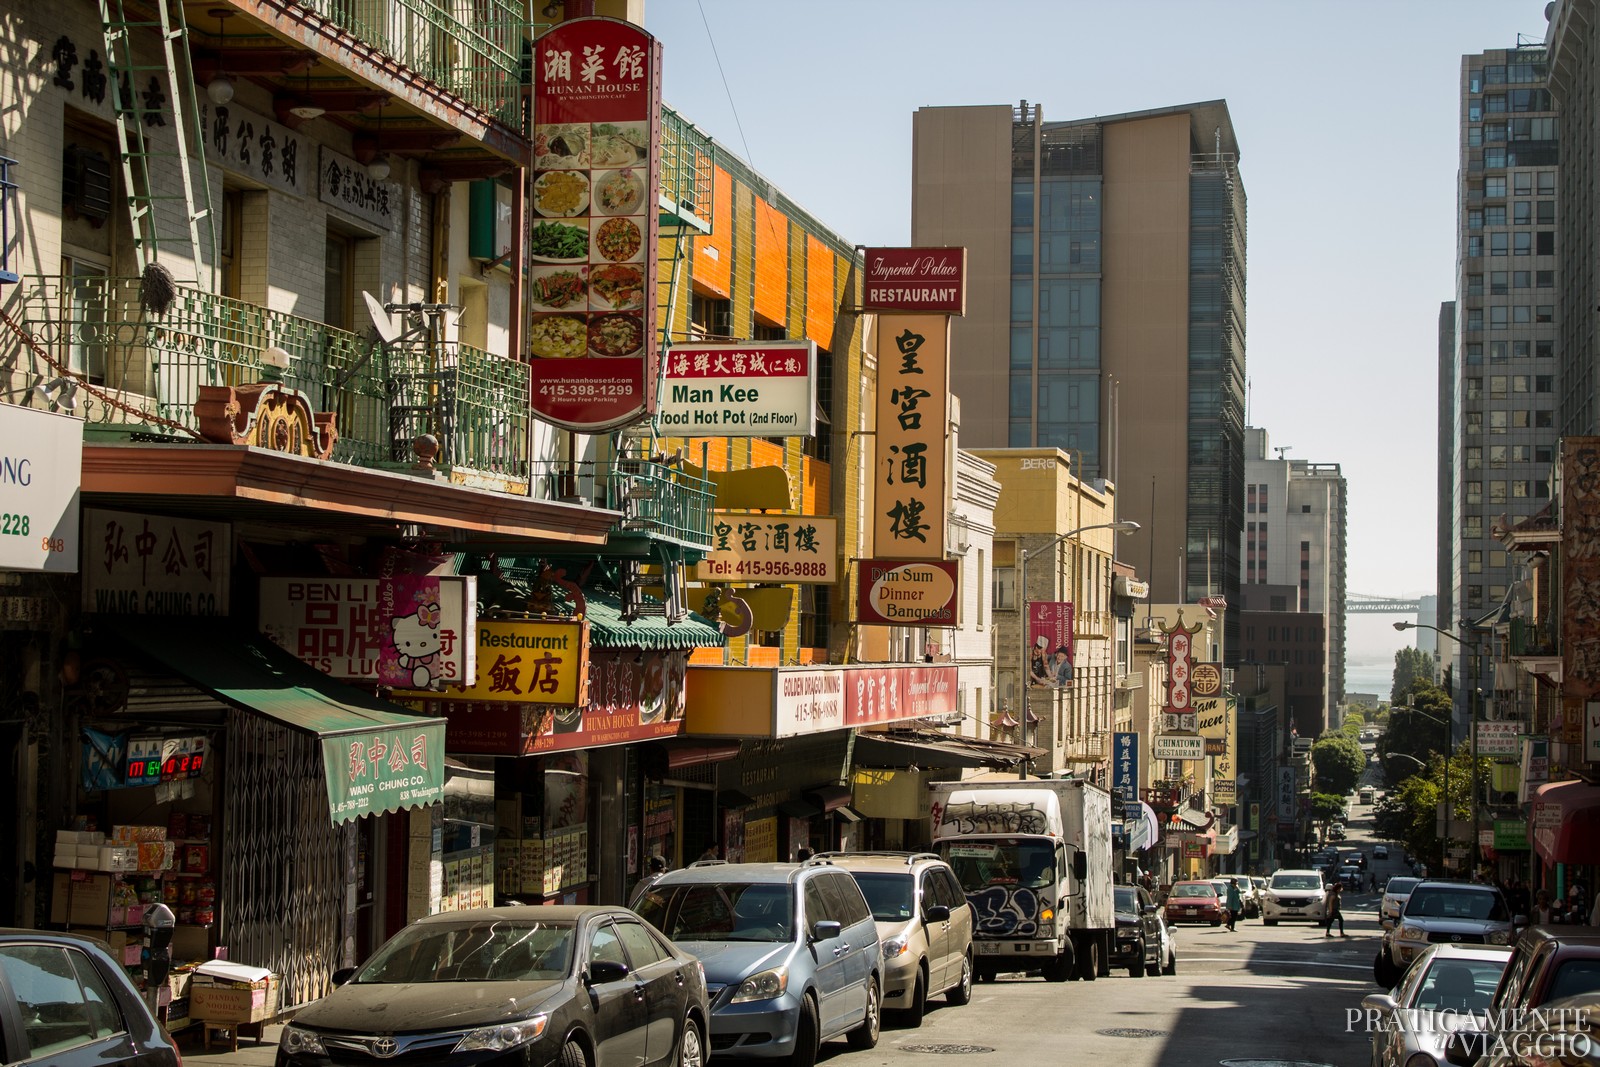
388, 330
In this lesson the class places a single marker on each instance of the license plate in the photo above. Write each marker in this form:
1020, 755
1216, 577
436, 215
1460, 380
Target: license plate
987, 948
1190, 911
1292, 911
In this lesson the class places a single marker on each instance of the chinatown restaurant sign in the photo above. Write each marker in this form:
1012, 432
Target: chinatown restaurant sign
755, 389
411, 631
909, 592
915, 279
523, 662
597, 172
629, 698
383, 768
775, 702
912, 424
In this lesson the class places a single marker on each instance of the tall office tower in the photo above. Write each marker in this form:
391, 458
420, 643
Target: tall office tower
1574, 82
1444, 487
1503, 410
1295, 517
1105, 311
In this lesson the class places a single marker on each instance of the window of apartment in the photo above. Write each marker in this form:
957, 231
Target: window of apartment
1497, 422
1495, 159
1474, 246
1475, 110
1474, 318
1544, 279
1541, 490
1519, 453
1474, 352
1475, 82
1497, 456
1474, 561
710, 316
1522, 183
1519, 383
1547, 213
1544, 313
1494, 186
1497, 385
1521, 490
1498, 316
1498, 285
1472, 526
1522, 244
1521, 314
1544, 454
815, 616
1003, 584
1522, 213
1475, 219
1520, 279
983, 612
1474, 458
1474, 285
1544, 420
1475, 596
338, 285
1520, 349
1547, 183
1498, 245
1497, 492
1545, 243
1472, 387
1473, 492
1544, 349
1519, 420
1494, 216
1473, 421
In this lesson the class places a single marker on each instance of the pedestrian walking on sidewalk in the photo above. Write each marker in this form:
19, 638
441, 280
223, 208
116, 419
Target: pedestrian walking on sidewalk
1335, 891
1235, 902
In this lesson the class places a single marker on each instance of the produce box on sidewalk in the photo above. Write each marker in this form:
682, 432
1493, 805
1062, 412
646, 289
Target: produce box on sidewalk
233, 993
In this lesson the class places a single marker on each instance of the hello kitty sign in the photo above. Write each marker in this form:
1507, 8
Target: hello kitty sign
405, 632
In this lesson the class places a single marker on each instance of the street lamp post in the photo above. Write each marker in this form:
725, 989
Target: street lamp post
1450, 744
1120, 526
1474, 702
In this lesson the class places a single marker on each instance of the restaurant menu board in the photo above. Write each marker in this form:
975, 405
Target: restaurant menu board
592, 272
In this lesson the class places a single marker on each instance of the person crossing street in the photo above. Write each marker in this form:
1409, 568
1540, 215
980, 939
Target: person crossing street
1335, 891
1235, 902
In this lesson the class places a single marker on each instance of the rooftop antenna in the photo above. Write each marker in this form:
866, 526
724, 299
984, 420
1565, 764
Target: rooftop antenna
1281, 449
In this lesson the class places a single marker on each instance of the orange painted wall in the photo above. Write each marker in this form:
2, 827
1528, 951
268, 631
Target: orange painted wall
819, 292
772, 264
764, 453
713, 254
815, 486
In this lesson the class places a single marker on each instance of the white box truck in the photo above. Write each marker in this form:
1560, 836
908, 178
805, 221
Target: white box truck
1034, 857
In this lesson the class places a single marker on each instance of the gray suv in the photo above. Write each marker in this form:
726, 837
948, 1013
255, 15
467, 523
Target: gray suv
791, 954
924, 923
1442, 913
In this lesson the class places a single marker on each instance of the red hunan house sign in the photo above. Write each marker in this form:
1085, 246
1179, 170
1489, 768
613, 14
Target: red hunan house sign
592, 273
915, 280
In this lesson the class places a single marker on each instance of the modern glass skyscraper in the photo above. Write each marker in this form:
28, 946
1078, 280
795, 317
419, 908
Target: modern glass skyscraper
1106, 310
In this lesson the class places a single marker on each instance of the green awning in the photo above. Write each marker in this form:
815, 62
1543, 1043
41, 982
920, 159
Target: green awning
377, 756
652, 632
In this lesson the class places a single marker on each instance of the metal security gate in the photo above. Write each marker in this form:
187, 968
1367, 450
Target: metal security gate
284, 879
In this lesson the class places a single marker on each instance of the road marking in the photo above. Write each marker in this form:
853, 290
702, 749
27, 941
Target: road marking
1284, 963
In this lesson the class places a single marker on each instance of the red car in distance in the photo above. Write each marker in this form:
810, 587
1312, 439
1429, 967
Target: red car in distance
1194, 902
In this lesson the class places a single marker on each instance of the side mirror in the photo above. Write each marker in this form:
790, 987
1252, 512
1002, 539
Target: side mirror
1379, 1002
603, 971
1080, 865
824, 929
1148, 909
1464, 1047
936, 913
343, 975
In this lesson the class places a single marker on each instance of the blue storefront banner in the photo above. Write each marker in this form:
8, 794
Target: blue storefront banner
1125, 765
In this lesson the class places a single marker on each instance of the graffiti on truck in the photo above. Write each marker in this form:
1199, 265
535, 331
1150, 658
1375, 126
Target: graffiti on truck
1006, 912
994, 818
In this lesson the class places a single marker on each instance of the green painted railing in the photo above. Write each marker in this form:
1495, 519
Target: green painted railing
472, 50
688, 157
656, 499
143, 373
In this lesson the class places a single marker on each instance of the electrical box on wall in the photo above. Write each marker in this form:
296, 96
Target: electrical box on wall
489, 221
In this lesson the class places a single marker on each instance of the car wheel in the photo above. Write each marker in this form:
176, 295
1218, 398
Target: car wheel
961, 992
805, 1036
1064, 967
918, 1007
865, 1036
1269, 922
1136, 968
1091, 959
572, 1055
691, 1049
1172, 964
1384, 972
1216, 922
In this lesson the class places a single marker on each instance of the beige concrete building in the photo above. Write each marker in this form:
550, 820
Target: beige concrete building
1105, 266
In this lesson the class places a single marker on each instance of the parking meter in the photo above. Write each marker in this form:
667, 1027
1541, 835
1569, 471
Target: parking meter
158, 924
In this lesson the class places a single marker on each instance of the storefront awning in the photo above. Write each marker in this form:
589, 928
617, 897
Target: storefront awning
608, 630
908, 749
377, 757
829, 797
1566, 822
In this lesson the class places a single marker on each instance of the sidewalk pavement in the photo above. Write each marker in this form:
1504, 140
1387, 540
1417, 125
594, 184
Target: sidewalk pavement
192, 1047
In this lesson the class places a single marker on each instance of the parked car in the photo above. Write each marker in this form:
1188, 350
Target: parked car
1396, 891
1194, 902
924, 924
1562, 1031
1350, 876
1462, 913
1549, 965
1144, 943
791, 954
1380, 852
1443, 992
1293, 896
75, 1006
1336, 832
578, 986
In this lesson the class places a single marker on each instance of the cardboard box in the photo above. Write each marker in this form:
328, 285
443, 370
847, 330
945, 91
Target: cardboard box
216, 999
86, 902
190, 943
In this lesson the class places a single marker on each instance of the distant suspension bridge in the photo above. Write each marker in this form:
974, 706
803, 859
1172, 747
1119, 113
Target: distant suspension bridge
1362, 604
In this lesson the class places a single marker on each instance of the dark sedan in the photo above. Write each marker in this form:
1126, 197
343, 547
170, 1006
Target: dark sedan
65, 1002
523, 986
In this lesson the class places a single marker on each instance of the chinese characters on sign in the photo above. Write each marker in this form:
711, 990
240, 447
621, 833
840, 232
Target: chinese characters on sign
345, 184
527, 662
246, 143
1050, 648
1580, 577
740, 390
909, 478
410, 631
905, 592
915, 279
1180, 658
771, 548
154, 565
797, 701
1125, 765
596, 201
385, 769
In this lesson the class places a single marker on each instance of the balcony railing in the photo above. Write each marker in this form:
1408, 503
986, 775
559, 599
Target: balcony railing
656, 499
688, 160
1532, 639
472, 50
144, 373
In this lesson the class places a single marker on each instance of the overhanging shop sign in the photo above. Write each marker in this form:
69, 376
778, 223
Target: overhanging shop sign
526, 662
749, 547
155, 565
1498, 738
909, 592
818, 699
41, 470
915, 280
740, 390
385, 769
1180, 748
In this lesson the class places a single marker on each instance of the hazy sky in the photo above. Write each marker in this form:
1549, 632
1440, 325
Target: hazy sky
1347, 119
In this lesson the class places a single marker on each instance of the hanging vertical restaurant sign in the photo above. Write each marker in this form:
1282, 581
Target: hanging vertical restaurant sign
387, 768
41, 471
411, 631
1125, 765
915, 280
597, 169
1180, 664
1580, 575
525, 662
1050, 649
253, 145
912, 421
1286, 804
155, 565
755, 389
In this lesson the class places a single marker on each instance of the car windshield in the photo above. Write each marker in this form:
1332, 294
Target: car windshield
1192, 890
1445, 903
1574, 977
1127, 900
888, 895
485, 950
721, 911
1458, 985
1296, 881
1399, 887
1010, 862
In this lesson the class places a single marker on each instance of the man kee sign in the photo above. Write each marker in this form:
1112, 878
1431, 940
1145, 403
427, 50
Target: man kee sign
915, 280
